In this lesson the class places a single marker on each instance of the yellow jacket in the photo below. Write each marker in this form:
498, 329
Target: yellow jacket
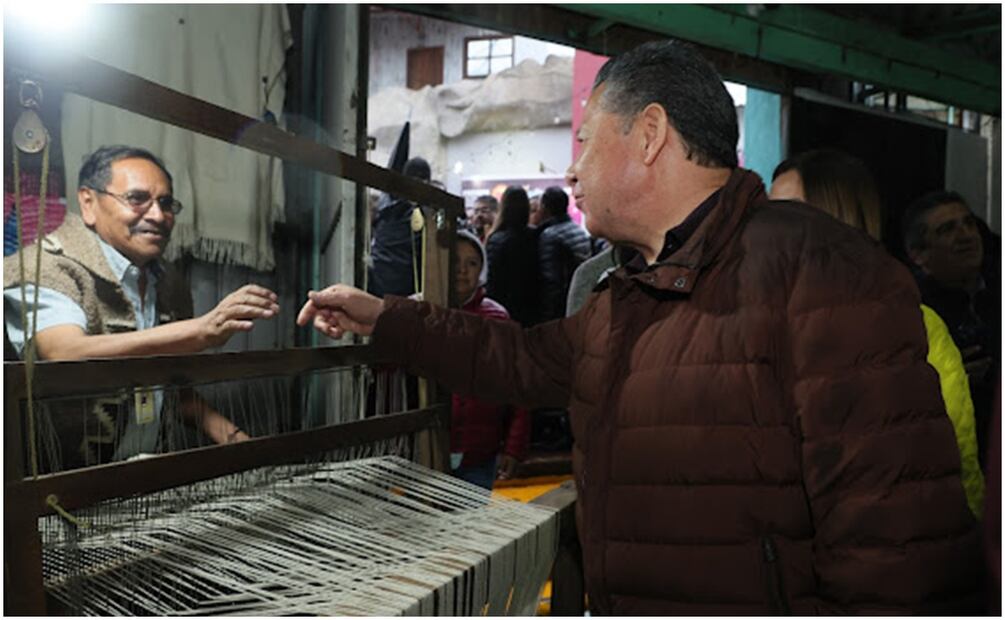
947, 361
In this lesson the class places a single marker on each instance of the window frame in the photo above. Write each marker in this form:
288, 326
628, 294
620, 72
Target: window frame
493, 37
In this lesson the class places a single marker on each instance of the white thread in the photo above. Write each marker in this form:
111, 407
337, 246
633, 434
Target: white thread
379, 536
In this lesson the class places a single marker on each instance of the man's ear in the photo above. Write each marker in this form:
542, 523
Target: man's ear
88, 206
655, 130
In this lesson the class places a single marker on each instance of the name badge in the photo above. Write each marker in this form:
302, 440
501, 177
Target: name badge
144, 400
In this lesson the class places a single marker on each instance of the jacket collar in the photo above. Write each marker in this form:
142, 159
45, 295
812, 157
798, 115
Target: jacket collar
679, 271
554, 220
473, 302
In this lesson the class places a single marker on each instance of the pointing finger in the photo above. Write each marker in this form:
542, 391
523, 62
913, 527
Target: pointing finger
306, 313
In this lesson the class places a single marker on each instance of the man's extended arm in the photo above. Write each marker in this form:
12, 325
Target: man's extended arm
235, 313
215, 425
471, 355
892, 532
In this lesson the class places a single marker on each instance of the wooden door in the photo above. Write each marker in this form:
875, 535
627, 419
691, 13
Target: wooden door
425, 67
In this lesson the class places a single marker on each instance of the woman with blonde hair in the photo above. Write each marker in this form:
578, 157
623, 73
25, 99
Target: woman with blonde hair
842, 186
835, 182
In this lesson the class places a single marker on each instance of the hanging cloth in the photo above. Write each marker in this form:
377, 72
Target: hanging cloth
231, 55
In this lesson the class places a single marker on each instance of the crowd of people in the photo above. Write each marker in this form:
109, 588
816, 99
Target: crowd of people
772, 414
538, 265
529, 249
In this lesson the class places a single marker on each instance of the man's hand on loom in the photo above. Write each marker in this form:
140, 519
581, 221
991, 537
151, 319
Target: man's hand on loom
237, 313
339, 309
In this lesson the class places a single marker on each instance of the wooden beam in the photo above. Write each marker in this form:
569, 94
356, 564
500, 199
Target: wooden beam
24, 594
100, 82
85, 487
96, 376
568, 590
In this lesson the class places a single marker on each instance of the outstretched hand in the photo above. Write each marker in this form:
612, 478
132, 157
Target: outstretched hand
237, 313
339, 309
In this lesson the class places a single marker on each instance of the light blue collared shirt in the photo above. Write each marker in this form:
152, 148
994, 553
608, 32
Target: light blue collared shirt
55, 308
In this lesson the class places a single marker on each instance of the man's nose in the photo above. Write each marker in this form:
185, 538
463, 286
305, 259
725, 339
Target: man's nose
967, 230
154, 212
570, 175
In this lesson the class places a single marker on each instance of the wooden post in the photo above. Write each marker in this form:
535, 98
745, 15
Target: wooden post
568, 593
24, 594
433, 446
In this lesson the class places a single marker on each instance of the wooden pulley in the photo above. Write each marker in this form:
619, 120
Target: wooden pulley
30, 134
418, 221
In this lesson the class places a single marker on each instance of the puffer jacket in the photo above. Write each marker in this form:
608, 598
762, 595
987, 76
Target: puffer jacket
482, 430
756, 429
562, 246
945, 358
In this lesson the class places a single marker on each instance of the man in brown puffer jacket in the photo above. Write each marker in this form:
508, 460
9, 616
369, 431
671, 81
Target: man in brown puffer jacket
756, 429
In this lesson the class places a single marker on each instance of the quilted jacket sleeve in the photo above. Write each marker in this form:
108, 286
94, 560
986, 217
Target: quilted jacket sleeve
497, 361
892, 531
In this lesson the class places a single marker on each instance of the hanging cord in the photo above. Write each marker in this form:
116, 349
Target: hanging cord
29, 354
418, 224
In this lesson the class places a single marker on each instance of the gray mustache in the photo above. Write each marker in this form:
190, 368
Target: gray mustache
147, 228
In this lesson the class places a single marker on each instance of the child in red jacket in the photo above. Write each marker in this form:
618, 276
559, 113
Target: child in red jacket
480, 431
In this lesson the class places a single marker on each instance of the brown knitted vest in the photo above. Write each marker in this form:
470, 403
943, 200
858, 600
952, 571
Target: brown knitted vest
74, 265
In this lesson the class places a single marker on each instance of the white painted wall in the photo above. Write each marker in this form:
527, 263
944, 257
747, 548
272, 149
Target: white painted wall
508, 155
524, 48
392, 34
967, 168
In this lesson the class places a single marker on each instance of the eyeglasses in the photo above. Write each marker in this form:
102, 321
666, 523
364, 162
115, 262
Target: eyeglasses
140, 201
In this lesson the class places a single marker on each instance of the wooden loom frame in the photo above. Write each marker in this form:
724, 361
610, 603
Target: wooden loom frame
25, 498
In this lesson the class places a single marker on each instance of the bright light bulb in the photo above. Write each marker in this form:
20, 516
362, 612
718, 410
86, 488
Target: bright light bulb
45, 16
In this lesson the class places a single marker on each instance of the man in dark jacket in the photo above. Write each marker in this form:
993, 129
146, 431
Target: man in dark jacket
962, 283
395, 246
561, 247
756, 429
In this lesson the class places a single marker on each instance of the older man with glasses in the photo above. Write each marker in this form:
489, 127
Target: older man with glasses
103, 291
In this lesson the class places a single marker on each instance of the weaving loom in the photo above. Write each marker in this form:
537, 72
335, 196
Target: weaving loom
379, 536
335, 519
291, 523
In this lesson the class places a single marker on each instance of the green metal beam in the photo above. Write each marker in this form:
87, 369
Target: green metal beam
812, 40
955, 35
554, 23
989, 16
